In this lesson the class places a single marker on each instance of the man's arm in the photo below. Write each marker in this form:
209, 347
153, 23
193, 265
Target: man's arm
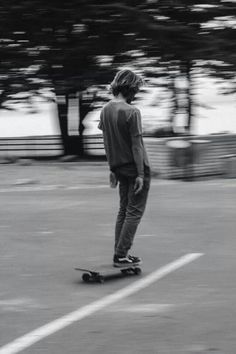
135, 128
112, 177
138, 154
101, 127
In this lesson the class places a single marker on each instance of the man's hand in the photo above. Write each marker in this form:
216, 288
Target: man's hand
138, 186
113, 180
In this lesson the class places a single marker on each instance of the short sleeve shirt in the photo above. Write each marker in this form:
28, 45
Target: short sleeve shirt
119, 121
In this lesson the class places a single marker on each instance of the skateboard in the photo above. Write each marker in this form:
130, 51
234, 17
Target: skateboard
101, 272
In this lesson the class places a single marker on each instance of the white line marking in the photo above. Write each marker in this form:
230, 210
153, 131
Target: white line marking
18, 304
50, 188
145, 308
45, 232
147, 235
40, 333
88, 186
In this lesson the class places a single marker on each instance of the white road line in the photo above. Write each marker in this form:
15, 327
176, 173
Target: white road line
40, 333
50, 188
147, 235
88, 186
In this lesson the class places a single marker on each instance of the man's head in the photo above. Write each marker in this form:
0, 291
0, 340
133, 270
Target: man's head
127, 83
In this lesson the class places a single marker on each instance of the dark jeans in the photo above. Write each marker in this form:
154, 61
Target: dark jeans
131, 210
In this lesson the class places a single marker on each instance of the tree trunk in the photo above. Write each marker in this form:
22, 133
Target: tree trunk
84, 109
73, 145
62, 106
189, 96
174, 101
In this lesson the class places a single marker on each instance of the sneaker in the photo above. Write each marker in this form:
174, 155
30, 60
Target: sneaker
123, 261
135, 259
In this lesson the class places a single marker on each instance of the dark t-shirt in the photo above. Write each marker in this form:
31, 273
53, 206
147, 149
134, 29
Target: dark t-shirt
119, 121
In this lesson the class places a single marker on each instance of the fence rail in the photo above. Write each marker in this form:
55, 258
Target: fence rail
93, 145
211, 160
40, 146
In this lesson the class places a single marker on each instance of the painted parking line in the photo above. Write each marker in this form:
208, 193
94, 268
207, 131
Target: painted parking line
40, 333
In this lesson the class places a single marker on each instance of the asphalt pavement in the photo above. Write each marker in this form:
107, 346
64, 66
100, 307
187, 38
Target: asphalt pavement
58, 216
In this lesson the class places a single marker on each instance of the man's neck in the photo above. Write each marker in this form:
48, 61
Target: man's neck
119, 98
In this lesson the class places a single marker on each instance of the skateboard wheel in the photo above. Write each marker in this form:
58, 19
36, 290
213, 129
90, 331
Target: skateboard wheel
86, 277
124, 271
137, 271
101, 279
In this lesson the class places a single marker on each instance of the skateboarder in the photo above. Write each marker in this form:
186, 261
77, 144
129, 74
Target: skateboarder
120, 123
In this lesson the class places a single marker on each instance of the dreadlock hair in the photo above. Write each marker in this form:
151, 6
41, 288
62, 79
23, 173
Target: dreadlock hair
127, 83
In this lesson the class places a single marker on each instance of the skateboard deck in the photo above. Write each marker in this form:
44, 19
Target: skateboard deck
99, 273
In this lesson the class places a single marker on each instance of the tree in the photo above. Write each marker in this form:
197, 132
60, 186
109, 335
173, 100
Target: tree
68, 44
18, 72
77, 45
224, 66
182, 37
186, 45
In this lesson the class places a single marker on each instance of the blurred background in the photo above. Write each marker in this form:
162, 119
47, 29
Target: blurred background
58, 58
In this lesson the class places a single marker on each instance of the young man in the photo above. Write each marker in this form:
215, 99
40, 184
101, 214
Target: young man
128, 162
